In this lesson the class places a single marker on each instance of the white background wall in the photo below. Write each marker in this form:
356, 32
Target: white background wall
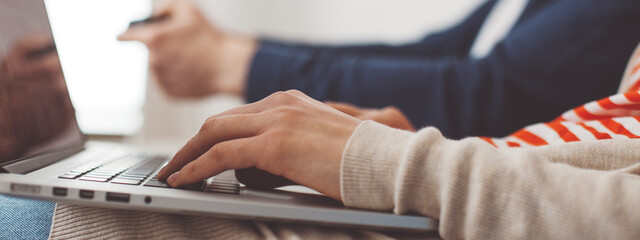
317, 21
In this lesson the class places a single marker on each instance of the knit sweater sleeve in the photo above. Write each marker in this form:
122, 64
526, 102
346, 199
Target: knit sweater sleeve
481, 192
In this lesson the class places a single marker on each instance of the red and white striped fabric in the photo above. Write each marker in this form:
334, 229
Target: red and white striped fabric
614, 117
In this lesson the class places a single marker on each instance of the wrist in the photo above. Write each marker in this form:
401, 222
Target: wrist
235, 64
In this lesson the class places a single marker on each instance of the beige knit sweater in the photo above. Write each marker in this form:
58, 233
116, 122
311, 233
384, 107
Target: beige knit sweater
570, 191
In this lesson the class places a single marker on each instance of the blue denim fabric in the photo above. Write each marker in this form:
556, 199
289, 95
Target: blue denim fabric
25, 218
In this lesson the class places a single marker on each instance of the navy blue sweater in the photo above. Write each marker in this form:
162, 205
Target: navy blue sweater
560, 54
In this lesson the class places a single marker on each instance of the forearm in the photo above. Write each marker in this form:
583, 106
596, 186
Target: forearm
480, 192
236, 55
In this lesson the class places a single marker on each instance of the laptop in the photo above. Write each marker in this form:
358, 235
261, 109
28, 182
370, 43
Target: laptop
44, 155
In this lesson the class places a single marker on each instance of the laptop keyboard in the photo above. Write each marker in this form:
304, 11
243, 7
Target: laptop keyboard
130, 170
136, 169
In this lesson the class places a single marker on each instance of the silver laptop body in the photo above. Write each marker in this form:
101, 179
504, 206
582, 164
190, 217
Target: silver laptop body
44, 155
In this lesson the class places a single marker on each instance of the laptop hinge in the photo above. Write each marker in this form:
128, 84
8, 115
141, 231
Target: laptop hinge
28, 165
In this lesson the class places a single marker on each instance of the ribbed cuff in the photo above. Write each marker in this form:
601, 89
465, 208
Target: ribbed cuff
370, 165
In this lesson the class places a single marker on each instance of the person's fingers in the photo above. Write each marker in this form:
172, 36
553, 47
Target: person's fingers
346, 108
234, 154
393, 117
170, 15
131, 34
145, 33
213, 131
148, 31
241, 122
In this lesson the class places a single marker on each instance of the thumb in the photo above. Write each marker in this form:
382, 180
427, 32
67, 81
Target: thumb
143, 33
146, 31
129, 35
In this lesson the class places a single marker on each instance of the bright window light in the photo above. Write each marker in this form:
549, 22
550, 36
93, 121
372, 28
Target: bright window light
106, 78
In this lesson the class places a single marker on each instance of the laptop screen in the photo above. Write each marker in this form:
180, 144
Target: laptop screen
36, 115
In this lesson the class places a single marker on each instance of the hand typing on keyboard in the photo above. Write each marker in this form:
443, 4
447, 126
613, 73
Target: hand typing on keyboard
287, 134
136, 169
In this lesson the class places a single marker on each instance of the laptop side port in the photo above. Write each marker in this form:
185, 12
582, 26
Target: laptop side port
59, 192
118, 197
86, 194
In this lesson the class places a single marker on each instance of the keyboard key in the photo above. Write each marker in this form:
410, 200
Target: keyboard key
139, 172
93, 179
229, 184
133, 175
99, 175
68, 176
229, 191
103, 177
157, 184
126, 181
131, 178
196, 186
105, 172
224, 187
